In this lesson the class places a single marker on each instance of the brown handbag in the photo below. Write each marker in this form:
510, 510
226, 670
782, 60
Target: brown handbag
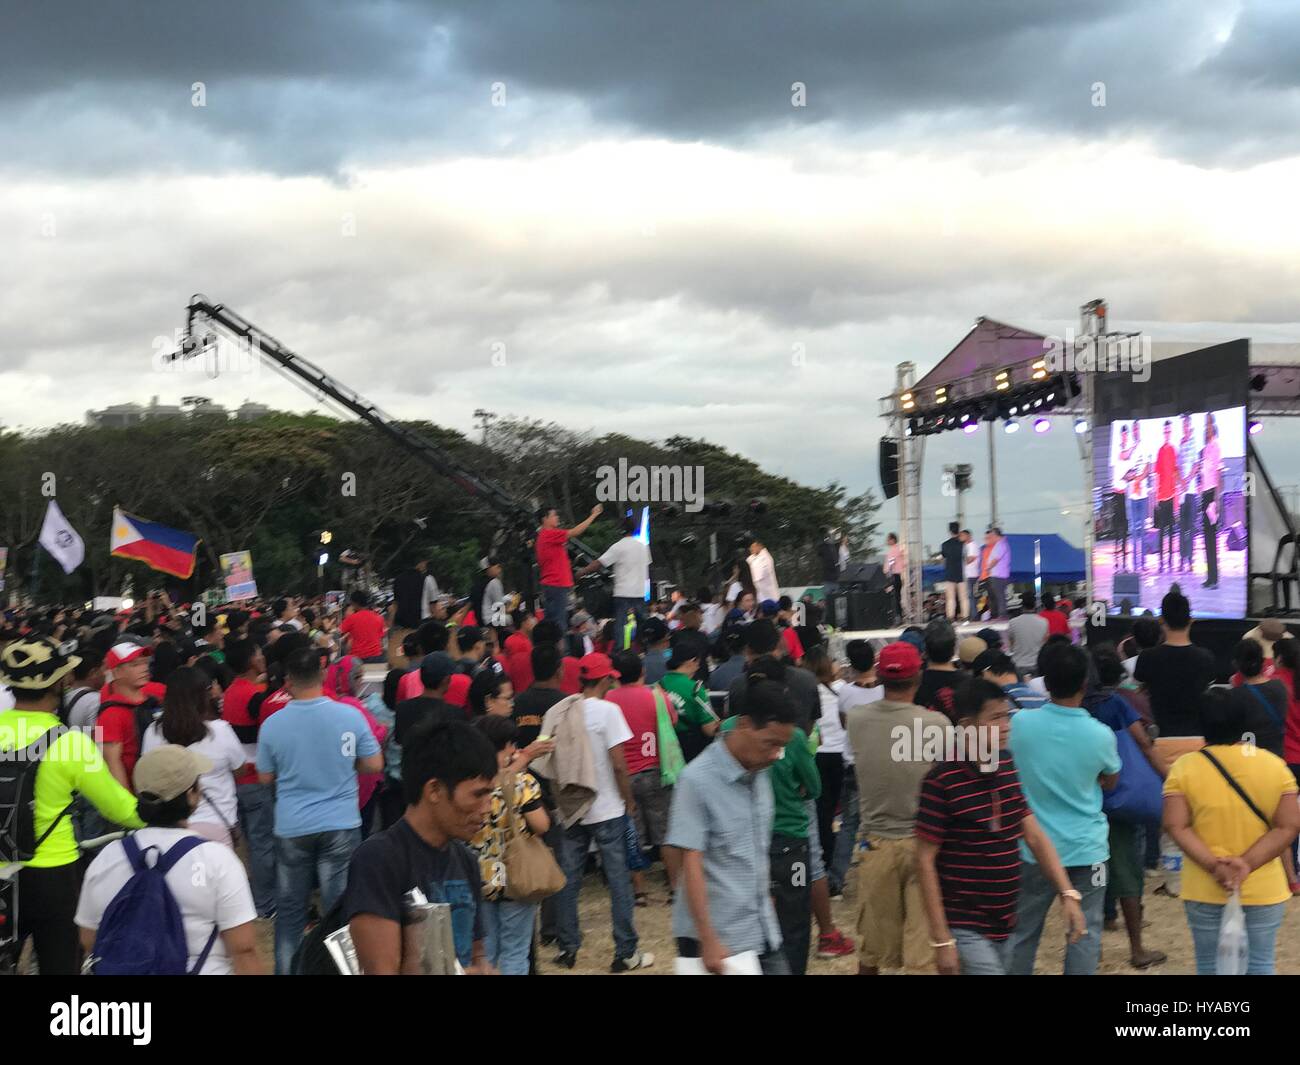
532, 873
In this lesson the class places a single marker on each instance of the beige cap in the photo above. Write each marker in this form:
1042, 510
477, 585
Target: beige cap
168, 771
970, 648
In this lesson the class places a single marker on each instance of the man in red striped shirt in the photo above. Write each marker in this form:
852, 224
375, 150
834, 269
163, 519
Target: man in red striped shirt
969, 823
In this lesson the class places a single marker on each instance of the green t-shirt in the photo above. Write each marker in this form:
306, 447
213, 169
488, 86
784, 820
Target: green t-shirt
691, 700
795, 780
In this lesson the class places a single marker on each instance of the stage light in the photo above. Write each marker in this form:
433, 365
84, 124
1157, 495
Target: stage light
1003, 379
1013, 410
970, 427
906, 400
1041, 425
941, 394
1080, 426
966, 417
1010, 427
1255, 427
1051, 396
1040, 369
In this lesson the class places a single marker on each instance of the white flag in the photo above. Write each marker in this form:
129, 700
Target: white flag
61, 540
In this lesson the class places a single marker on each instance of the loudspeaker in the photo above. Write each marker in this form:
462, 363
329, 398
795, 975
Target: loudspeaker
869, 610
888, 466
868, 575
837, 610
1127, 586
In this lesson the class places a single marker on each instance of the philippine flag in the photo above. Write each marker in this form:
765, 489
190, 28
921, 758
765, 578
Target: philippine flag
168, 550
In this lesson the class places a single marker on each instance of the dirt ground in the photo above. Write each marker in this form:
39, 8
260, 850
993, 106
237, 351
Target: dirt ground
1166, 930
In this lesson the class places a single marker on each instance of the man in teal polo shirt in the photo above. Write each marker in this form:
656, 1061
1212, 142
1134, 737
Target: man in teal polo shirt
1065, 758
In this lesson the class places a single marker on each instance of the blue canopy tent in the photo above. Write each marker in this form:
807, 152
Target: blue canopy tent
1060, 562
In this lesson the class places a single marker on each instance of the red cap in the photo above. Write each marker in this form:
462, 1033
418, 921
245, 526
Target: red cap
594, 666
898, 661
127, 649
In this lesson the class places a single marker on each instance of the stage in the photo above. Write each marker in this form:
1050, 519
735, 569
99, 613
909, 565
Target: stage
879, 637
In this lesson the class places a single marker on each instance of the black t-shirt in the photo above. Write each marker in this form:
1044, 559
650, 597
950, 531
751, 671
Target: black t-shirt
1264, 707
936, 690
408, 587
392, 862
411, 712
530, 707
802, 687
951, 549
1176, 677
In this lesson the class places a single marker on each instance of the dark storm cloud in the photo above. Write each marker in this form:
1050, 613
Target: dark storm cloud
299, 87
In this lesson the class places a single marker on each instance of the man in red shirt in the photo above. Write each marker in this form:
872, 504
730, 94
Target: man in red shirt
553, 562
1166, 486
365, 629
641, 712
1058, 624
128, 664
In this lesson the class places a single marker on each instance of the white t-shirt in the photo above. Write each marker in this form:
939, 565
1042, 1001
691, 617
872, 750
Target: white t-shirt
832, 732
856, 695
606, 729
734, 591
971, 554
629, 558
82, 705
427, 593
209, 885
227, 755
712, 615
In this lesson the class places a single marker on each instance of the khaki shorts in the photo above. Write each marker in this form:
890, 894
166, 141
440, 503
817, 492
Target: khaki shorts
893, 932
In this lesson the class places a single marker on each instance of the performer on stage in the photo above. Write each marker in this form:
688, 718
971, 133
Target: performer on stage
1119, 499
1166, 471
1211, 500
1187, 497
995, 569
1138, 474
896, 569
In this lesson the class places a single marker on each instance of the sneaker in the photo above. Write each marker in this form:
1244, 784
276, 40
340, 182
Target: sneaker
639, 960
567, 958
834, 945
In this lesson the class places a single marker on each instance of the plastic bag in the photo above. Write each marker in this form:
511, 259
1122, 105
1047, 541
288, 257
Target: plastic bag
671, 759
1232, 939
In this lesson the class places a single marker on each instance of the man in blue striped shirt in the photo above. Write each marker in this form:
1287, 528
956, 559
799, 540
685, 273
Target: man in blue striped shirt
996, 666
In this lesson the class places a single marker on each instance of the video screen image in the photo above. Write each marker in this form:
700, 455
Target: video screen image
1169, 507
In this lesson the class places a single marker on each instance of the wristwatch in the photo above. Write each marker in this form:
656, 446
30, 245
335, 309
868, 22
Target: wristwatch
1070, 893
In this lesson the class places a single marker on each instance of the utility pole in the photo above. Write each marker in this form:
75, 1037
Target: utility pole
484, 419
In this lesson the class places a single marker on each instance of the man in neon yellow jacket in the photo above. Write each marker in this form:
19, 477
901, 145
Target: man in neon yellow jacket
35, 670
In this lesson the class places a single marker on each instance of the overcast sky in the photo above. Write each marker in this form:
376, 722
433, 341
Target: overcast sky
612, 215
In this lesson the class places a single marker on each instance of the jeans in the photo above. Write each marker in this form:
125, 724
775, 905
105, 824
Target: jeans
981, 956
303, 862
792, 898
972, 598
1262, 923
1037, 894
508, 934
831, 769
555, 604
554, 838
997, 597
257, 819
1187, 528
609, 837
838, 873
1137, 531
623, 606
1210, 535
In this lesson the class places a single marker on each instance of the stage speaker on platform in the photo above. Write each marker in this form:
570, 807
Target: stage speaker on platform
869, 610
869, 576
1127, 586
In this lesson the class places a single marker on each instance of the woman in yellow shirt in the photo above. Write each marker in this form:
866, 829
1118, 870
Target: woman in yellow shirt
1233, 844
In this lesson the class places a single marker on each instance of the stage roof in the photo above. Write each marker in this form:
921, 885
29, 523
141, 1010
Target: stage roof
990, 346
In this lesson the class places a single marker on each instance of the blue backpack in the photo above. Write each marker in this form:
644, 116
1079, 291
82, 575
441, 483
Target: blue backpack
142, 932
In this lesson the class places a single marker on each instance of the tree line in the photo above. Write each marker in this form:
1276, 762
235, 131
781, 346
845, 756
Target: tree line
272, 484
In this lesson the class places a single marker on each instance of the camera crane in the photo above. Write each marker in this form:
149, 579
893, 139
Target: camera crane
517, 517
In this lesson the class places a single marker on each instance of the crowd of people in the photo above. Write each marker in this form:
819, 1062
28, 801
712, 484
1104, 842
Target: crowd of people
298, 770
